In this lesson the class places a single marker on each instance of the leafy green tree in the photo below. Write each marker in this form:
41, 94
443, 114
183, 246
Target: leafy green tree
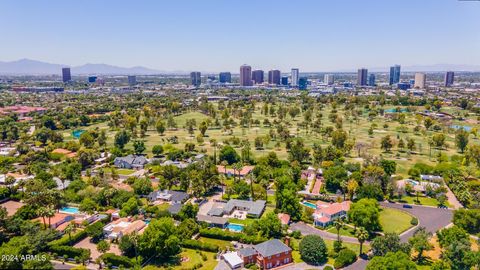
188, 211
298, 152
160, 239
160, 127
390, 242
386, 143
365, 213
398, 261
157, 150
467, 219
87, 140
138, 147
461, 140
420, 242
142, 186
229, 154
313, 250
121, 139
130, 207
103, 246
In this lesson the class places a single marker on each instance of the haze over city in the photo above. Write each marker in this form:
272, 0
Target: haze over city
219, 35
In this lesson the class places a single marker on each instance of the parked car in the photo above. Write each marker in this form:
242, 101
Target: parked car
407, 206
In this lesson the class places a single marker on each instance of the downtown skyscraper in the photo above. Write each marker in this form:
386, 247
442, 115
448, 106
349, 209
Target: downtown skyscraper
274, 77
394, 74
362, 76
246, 75
295, 77
196, 78
66, 75
449, 78
225, 77
257, 76
420, 80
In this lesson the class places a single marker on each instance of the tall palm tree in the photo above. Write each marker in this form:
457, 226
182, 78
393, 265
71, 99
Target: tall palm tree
42, 212
362, 236
339, 224
50, 213
69, 230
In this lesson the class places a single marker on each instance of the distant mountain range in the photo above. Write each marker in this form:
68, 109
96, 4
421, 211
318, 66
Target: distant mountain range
33, 67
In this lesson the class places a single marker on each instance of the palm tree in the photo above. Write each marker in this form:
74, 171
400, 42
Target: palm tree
42, 212
50, 213
224, 163
69, 229
362, 236
9, 181
339, 224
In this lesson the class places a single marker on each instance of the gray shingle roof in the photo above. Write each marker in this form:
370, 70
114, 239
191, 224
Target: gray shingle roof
245, 252
212, 220
254, 207
175, 208
271, 247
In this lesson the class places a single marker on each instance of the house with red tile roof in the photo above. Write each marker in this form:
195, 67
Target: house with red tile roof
327, 213
284, 218
57, 220
233, 172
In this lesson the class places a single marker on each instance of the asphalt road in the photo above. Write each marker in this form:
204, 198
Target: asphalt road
307, 229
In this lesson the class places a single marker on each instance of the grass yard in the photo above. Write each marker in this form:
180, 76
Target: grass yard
393, 220
125, 171
346, 231
195, 258
223, 244
163, 206
246, 221
423, 200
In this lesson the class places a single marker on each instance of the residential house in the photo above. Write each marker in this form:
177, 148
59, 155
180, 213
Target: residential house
267, 255
123, 226
213, 221
175, 197
431, 178
233, 172
326, 213
130, 162
57, 220
253, 208
284, 218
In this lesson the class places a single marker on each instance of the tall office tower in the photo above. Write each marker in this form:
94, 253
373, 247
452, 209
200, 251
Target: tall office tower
394, 74
66, 75
225, 77
449, 78
92, 79
371, 79
328, 79
295, 77
420, 79
274, 77
302, 83
196, 78
285, 80
257, 76
245, 75
132, 80
362, 76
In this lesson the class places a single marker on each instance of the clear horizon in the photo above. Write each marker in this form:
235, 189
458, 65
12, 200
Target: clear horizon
220, 36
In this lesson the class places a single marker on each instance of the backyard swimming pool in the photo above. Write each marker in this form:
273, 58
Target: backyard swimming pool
235, 227
466, 128
76, 133
309, 204
69, 210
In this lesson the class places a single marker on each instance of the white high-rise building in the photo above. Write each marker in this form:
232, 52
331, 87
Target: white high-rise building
328, 79
420, 80
295, 77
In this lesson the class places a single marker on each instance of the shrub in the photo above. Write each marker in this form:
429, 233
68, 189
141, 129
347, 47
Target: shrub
328, 267
71, 252
194, 244
345, 257
115, 260
313, 250
67, 241
414, 221
217, 233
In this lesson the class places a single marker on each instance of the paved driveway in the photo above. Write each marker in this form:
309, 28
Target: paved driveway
306, 229
431, 218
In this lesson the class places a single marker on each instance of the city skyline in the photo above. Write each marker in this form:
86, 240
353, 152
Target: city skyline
143, 39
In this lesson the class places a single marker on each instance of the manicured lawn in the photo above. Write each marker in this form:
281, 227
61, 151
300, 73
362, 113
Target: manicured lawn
125, 171
163, 206
423, 200
246, 221
393, 220
354, 247
346, 231
195, 258
221, 243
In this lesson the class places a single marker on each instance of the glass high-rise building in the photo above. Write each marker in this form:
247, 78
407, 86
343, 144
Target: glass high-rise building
362, 76
66, 75
371, 79
394, 74
196, 78
225, 77
449, 78
302, 83
132, 80
328, 79
295, 77
274, 77
285, 80
245, 75
257, 76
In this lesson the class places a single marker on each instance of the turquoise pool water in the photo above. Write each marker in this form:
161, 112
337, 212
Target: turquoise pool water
309, 204
466, 128
70, 210
76, 133
235, 227
413, 183
147, 221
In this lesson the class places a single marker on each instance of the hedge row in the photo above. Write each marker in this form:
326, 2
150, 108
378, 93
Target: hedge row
111, 259
194, 244
70, 252
67, 241
218, 233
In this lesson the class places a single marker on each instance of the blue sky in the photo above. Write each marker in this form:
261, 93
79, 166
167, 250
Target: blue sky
220, 35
